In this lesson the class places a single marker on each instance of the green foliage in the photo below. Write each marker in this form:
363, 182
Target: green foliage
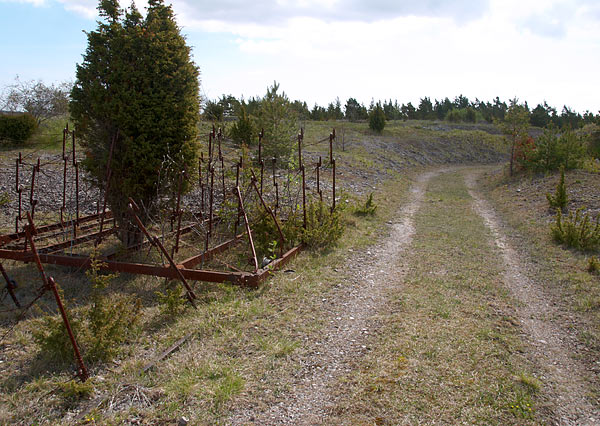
137, 85
111, 318
516, 128
213, 111
593, 265
51, 334
367, 209
559, 200
276, 118
323, 226
594, 141
98, 330
17, 128
377, 119
243, 131
172, 301
4, 199
74, 391
555, 149
576, 231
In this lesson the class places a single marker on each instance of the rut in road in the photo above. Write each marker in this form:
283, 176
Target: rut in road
563, 374
351, 312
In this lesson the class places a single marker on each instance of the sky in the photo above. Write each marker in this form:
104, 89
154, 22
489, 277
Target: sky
535, 50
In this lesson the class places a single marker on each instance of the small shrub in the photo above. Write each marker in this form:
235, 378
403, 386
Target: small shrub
323, 226
99, 330
555, 149
576, 231
172, 301
242, 131
111, 317
593, 265
74, 391
17, 128
559, 200
368, 209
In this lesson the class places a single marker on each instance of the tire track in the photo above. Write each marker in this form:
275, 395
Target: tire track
351, 312
563, 374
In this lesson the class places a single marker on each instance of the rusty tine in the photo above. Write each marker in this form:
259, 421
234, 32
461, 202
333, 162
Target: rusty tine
178, 212
201, 184
74, 159
303, 196
10, 286
248, 230
300, 135
266, 207
82, 373
333, 201
50, 284
210, 202
262, 172
76, 224
223, 179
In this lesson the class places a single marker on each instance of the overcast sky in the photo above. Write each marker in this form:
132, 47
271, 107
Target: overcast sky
535, 50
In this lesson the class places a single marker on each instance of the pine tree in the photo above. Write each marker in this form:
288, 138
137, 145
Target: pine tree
276, 118
377, 118
137, 85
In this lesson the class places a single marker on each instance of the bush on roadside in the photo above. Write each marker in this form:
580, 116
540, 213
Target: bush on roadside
577, 231
559, 200
556, 148
17, 129
366, 209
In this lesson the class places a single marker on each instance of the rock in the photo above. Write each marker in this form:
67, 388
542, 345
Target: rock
183, 421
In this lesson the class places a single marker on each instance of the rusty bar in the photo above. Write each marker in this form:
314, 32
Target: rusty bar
64, 144
200, 161
262, 173
266, 207
248, 230
299, 151
331, 148
237, 183
261, 275
260, 137
178, 212
211, 196
223, 179
64, 195
210, 138
219, 137
333, 201
190, 293
10, 286
73, 138
76, 224
82, 373
5, 239
59, 246
318, 179
49, 283
303, 197
207, 255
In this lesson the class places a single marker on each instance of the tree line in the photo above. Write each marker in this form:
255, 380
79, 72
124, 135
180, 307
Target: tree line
461, 109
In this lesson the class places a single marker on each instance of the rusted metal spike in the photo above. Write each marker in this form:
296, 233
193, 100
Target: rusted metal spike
248, 230
10, 286
303, 197
333, 200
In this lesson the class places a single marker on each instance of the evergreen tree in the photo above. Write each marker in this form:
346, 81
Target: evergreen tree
516, 127
377, 118
277, 119
137, 86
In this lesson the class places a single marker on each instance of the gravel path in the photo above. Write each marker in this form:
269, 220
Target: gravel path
351, 312
549, 341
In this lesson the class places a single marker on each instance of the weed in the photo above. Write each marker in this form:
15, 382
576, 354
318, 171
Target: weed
171, 302
593, 265
559, 200
576, 231
367, 209
74, 391
4, 199
532, 384
323, 226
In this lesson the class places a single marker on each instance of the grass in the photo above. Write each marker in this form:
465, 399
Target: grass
565, 272
244, 343
448, 351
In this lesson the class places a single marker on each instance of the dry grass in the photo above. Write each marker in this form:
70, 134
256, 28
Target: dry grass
448, 351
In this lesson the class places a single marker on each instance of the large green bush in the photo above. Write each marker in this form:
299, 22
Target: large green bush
17, 128
242, 130
137, 85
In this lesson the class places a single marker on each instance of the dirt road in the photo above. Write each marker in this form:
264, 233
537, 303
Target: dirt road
370, 332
